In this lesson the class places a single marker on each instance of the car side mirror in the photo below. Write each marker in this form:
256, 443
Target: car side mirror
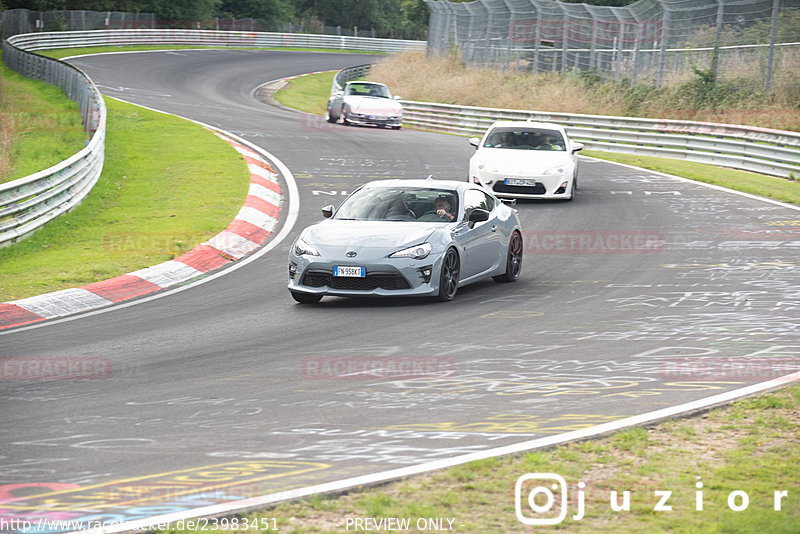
477, 215
577, 147
508, 201
327, 211
396, 97
475, 141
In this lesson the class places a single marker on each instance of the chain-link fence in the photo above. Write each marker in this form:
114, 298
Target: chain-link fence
17, 21
658, 41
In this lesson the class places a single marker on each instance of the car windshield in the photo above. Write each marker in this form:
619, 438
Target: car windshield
368, 89
400, 204
525, 139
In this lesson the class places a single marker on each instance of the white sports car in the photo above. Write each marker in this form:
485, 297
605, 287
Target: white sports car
526, 160
365, 103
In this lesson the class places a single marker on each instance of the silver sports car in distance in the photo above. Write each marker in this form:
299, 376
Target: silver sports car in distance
407, 238
365, 103
526, 160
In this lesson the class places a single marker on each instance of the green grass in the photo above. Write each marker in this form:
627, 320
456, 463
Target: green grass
167, 185
670, 456
308, 93
42, 126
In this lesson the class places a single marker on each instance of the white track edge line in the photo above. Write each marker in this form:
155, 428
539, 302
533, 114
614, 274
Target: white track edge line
704, 184
386, 476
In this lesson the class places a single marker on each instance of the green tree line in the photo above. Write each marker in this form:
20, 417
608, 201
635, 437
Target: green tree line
402, 19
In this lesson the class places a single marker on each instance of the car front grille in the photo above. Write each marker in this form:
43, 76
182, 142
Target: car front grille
389, 281
500, 187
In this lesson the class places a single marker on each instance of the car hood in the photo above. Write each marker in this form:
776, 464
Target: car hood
335, 233
522, 161
373, 105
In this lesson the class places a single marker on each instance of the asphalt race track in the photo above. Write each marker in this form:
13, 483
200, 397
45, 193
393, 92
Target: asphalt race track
638, 295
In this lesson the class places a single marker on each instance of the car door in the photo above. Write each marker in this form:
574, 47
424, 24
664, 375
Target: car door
480, 243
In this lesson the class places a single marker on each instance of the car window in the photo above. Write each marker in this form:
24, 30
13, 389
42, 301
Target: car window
400, 204
368, 89
521, 138
475, 198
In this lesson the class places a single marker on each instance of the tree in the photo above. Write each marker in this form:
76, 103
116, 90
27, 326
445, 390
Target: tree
384, 16
180, 10
36, 5
270, 11
415, 17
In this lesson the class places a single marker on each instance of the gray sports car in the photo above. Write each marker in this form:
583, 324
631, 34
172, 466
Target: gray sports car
407, 238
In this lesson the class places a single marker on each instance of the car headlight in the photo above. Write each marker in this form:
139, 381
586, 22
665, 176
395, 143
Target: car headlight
302, 248
553, 171
416, 252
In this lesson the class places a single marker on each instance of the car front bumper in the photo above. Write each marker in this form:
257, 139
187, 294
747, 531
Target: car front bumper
390, 277
374, 120
557, 186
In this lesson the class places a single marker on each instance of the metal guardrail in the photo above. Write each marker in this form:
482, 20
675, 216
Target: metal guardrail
761, 150
146, 36
28, 203
345, 75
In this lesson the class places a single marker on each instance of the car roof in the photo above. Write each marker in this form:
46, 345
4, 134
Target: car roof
527, 124
453, 185
363, 82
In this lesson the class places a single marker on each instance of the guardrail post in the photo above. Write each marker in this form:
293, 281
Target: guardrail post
773, 30
662, 54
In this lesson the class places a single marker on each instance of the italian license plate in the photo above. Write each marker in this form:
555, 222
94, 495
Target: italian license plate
352, 272
520, 181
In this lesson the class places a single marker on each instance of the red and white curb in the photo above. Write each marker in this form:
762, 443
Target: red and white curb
250, 230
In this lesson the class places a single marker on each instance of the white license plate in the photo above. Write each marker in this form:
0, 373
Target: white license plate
520, 181
353, 272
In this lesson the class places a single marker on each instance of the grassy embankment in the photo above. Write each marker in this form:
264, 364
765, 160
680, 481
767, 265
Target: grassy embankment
308, 93
39, 126
167, 185
446, 80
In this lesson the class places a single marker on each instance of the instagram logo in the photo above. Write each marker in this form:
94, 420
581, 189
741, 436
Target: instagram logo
535, 499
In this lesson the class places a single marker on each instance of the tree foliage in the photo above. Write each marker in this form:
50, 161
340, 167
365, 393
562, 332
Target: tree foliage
388, 18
